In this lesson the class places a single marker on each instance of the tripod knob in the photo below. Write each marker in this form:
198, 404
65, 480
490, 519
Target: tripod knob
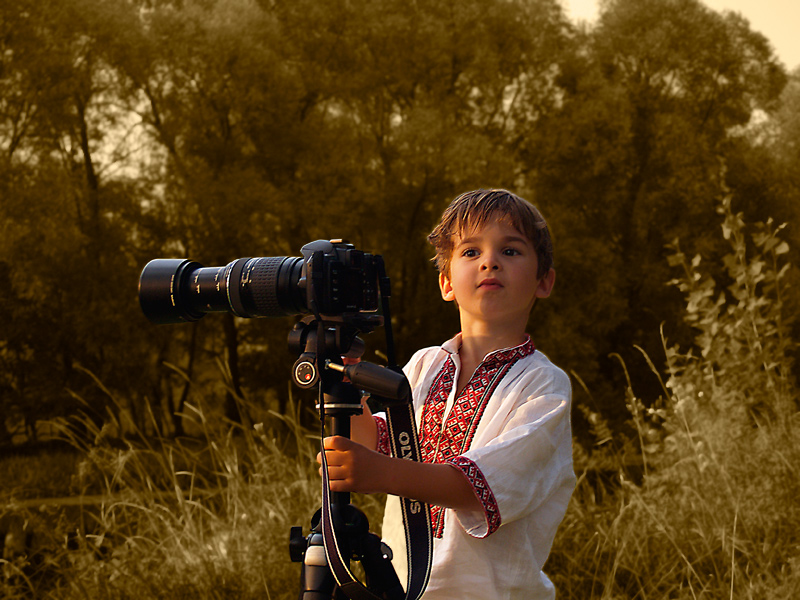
304, 372
297, 544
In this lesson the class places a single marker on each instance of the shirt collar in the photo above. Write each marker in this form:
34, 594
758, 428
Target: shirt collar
500, 356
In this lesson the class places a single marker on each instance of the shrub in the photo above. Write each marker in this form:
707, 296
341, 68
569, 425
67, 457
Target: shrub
717, 514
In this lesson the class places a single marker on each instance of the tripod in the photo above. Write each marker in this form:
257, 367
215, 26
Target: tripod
323, 343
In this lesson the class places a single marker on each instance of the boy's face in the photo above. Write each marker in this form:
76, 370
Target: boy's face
493, 276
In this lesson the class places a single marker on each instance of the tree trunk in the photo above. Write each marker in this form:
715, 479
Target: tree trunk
234, 393
177, 419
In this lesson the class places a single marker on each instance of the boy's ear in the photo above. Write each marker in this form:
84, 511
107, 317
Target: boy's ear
546, 284
446, 288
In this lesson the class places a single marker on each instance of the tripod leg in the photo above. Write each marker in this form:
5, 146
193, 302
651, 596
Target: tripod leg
316, 582
378, 568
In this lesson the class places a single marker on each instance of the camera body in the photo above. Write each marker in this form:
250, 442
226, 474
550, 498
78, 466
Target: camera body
332, 279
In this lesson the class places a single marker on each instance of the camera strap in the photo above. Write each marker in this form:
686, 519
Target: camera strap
416, 515
416, 518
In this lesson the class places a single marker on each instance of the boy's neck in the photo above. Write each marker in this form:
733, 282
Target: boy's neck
477, 342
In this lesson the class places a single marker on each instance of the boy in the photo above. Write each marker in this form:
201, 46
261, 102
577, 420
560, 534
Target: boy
493, 415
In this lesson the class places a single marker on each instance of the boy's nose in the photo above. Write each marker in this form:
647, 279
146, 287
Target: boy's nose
490, 262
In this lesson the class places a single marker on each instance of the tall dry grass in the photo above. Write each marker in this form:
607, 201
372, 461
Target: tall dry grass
193, 518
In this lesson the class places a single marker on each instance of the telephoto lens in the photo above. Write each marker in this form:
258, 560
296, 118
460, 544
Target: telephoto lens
180, 290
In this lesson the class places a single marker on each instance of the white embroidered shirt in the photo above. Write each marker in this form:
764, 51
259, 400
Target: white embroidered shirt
509, 433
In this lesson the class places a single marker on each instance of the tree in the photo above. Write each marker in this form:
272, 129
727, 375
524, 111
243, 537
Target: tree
631, 161
65, 218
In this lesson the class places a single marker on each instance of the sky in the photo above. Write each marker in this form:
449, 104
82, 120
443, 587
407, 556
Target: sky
777, 20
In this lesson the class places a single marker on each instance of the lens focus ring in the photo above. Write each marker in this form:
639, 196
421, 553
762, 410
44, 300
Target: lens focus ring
259, 285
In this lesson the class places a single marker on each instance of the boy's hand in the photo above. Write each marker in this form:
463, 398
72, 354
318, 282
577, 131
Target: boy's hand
352, 467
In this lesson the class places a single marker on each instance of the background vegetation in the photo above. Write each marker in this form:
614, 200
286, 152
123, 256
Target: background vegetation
131, 130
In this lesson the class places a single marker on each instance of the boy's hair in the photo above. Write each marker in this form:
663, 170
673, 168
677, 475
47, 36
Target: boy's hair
474, 209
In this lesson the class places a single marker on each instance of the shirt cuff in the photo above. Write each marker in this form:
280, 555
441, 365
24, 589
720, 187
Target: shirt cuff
384, 447
474, 525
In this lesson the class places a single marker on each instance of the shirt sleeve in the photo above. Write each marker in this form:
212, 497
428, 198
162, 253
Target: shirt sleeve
491, 511
528, 463
384, 445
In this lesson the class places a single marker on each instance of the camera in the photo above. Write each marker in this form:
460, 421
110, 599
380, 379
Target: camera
331, 279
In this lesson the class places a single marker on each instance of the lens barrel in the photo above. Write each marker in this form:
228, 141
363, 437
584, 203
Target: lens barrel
179, 290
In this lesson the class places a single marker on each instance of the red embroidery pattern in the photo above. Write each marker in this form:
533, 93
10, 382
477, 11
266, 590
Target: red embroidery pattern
433, 410
482, 489
444, 442
384, 445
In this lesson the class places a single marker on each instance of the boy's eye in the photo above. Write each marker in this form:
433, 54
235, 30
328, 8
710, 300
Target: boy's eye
511, 252
469, 253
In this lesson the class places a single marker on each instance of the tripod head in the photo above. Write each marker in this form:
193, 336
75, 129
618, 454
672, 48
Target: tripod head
387, 385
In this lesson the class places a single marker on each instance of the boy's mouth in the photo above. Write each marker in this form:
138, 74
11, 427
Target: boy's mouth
490, 283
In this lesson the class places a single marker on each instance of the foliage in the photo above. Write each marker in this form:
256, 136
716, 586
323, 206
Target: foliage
223, 129
629, 162
744, 341
136, 129
716, 514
